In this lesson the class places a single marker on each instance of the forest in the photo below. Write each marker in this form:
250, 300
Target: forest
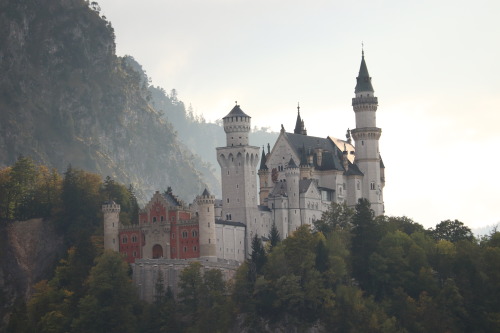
348, 272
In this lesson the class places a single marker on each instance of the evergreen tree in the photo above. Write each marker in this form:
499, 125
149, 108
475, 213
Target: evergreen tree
274, 237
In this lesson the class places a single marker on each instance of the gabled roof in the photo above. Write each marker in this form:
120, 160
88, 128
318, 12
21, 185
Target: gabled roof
330, 159
236, 112
305, 184
171, 199
206, 193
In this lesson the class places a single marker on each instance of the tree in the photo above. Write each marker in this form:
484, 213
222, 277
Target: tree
452, 231
258, 255
337, 216
274, 237
364, 241
108, 305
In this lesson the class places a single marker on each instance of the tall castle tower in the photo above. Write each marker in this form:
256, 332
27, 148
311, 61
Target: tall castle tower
366, 136
206, 220
292, 174
238, 162
111, 212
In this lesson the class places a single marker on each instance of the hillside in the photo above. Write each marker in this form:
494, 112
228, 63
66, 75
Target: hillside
66, 98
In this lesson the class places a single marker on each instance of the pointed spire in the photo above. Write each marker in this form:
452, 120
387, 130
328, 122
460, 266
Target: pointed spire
205, 193
263, 165
299, 124
363, 81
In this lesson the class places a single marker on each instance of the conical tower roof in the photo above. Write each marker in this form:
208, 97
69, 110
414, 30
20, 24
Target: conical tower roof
236, 112
263, 165
363, 81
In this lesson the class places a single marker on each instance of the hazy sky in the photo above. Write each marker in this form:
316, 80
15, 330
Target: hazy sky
434, 67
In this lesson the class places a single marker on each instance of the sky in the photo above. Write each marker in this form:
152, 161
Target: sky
434, 67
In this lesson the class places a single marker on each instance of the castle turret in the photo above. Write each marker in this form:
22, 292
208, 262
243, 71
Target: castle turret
206, 220
264, 179
292, 174
366, 137
238, 162
111, 211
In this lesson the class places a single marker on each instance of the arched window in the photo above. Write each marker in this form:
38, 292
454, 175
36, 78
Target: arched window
154, 219
184, 234
161, 218
124, 240
194, 233
157, 251
195, 248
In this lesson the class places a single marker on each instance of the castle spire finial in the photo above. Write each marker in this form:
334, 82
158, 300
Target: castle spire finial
298, 107
362, 49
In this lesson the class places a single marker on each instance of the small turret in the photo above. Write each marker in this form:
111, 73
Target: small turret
111, 211
237, 127
206, 222
264, 180
292, 174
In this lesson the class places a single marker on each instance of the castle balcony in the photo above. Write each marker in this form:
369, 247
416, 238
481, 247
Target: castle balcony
364, 100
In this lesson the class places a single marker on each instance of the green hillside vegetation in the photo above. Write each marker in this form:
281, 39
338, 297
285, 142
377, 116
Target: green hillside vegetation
350, 272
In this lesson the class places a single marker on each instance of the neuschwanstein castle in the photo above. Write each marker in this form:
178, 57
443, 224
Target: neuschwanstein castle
298, 179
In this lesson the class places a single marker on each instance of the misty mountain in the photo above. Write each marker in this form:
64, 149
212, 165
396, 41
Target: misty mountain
66, 98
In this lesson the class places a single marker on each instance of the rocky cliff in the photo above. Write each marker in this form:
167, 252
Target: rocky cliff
29, 251
66, 98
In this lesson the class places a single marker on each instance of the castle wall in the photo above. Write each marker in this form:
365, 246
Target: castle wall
148, 272
231, 241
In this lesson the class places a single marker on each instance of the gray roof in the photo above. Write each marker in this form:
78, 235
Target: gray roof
363, 81
236, 112
304, 184
231, 223
206, 193
263, 208
291, 164
353, 170
330, 155
172, 200
278, 189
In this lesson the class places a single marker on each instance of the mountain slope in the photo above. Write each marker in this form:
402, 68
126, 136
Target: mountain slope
66, 98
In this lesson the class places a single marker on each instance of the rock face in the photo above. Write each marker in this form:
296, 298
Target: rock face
66, 98
29, 251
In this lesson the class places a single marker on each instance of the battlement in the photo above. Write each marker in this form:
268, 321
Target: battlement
111, 207
205, 199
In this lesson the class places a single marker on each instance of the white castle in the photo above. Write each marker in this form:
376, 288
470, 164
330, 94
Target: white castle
299, 178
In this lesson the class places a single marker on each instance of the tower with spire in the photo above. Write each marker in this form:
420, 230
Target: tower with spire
238, 162
366, 136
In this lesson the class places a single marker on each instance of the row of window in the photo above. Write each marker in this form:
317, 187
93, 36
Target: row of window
185, 234
125, 239
185, 249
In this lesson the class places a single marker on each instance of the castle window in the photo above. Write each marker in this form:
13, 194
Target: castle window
194, 233
195, 248
173, 235
161, 218
358, 185
134, 239
185, 249
134, 254
362, 143
237, 186
208, 209
372, 186
184, 234
154, 219
209, 224
124, 240
227, 200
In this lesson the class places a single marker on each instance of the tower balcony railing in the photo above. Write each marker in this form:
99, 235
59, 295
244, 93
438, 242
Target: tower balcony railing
364, 100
